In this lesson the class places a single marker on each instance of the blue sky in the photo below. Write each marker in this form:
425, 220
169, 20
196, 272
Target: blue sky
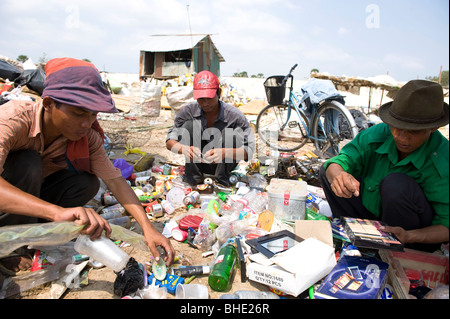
406, 38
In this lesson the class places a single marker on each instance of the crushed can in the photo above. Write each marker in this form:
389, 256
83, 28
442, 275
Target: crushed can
156, 210
167, 207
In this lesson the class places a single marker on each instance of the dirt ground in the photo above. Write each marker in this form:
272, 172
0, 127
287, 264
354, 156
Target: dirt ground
137, 132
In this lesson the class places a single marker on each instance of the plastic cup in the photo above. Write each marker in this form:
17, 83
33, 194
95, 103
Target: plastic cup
102, 250
191, 291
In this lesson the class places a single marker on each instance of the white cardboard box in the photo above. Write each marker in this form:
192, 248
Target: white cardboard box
296, 269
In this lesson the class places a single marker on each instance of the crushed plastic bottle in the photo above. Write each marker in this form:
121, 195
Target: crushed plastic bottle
232, 228
259, 203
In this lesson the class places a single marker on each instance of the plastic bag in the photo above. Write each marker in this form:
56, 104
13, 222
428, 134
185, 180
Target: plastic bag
205, 237
125, 168
150, 99
44, 234
440, 292
53, 234
33, 79
179, 96
129, 280
15, 285
8, 71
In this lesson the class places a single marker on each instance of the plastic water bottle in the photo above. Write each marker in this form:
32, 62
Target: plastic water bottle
249, 294
259, 202
220, 277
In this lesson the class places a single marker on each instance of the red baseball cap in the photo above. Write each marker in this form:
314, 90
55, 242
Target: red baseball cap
206, 84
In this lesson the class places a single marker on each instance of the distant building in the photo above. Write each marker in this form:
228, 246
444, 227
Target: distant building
169, 56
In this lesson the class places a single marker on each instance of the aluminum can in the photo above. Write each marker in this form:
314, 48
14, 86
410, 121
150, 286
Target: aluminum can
191, 198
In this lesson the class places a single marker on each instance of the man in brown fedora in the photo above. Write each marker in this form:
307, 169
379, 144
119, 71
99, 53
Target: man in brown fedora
397, 171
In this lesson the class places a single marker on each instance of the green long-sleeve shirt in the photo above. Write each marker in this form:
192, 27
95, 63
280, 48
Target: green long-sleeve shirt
373, 155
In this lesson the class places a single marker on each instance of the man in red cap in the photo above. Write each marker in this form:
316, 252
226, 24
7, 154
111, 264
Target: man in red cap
214, 136
52, 155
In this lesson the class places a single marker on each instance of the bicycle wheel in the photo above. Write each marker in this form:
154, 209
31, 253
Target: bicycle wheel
269, 125
333, 126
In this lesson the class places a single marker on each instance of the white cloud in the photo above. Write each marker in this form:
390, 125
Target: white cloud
406, 62
342, 31
324, 52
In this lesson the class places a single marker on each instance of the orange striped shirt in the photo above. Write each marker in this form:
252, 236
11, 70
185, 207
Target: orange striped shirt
21, 129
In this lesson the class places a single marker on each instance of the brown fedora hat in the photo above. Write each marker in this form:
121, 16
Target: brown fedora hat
419, 104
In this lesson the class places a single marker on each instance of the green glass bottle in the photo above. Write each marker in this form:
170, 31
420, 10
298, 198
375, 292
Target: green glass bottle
220, 277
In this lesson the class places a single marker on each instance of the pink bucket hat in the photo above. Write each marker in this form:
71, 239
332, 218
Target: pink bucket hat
77, 83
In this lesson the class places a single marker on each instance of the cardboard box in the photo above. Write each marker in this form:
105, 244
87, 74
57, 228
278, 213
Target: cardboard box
433, 268
319, 229
296, 269
354, 277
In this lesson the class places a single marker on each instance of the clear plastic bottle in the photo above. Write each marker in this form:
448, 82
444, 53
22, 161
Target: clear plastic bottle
232, 228
259, 202
244, 201
102, 250
220, 277
249, 294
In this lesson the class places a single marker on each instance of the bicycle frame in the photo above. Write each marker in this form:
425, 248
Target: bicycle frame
294, 102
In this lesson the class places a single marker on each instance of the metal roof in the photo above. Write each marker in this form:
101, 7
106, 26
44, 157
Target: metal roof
168, 43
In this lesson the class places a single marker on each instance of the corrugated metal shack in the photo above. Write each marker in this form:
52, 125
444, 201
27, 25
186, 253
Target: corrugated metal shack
169, 56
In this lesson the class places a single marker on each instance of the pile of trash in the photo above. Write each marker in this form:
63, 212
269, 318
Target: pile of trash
211, 217
275, 227
255, 225
20, 81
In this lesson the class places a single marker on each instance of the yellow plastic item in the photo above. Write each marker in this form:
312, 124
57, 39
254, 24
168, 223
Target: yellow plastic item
311, 155
265, 220
135, 150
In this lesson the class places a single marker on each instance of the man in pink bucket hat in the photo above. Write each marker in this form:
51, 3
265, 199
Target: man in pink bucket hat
52, 155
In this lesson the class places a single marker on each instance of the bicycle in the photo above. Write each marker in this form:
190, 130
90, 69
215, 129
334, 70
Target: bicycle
327, 122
